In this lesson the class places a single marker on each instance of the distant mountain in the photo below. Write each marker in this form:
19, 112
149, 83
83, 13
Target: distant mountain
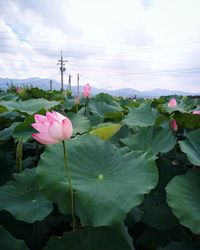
35, 81
125, 92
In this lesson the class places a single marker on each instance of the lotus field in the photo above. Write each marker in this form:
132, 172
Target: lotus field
98, 173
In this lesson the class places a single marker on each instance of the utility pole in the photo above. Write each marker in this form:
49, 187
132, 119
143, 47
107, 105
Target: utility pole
78, 85
50, 83
62, 69
69, 82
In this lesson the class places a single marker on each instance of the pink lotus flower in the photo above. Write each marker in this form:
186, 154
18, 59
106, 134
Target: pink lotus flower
196, 112
18, 89
172, 103
76, 100
174, 125
52, 128
86, 90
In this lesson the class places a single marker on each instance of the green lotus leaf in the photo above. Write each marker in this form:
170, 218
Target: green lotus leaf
24, 129
8, 163
103, 97
100, 238
9, 115
179, 108
102, 176
191, 146
7, 133
106, 131
134, 216
153, 238
183, 245
30, 106
105, 110
123, 132
158, 139
80, 123
21, 197
8, 242
157, 213
9, 97
2, 109
187, 120
142, 116
183, 195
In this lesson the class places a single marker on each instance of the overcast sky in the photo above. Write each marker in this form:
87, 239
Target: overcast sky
142, 44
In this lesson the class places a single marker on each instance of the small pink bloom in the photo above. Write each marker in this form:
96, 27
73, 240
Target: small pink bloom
172, 103
174, 125
76, 100
18, 90
196, 112
52, 128
86, 90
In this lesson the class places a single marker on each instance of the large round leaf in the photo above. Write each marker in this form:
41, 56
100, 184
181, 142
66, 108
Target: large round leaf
191, 146
108, 181
8, 242
30, 106
8, 163
143, 116
105, 106
183, 196
158, 139
24, 129
106, 130
187, 120
178, 108
7, 133
101, 238
157, 213
152, 238
21, 197
80, 123
183, 245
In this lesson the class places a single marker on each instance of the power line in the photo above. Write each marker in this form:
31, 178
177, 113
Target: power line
110, 72
162, 71
195, 28
128, 53
190, 41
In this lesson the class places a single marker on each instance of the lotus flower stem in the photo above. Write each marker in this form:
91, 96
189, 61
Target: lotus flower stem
86, 103
37, 151
70, 187
85, 110
19, 154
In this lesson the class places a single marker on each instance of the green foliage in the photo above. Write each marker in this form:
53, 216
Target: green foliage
142, 116
187, 120
29, 107
184, 245
191, 147
96, 174
158, 139
99, 238
21, 197
106, 131
105, 106
135, 180
183, 194
80, 123
7, 241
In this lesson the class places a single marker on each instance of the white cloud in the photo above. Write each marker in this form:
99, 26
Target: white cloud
130, 43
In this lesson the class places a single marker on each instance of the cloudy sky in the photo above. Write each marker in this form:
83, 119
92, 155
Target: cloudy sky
142, 44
